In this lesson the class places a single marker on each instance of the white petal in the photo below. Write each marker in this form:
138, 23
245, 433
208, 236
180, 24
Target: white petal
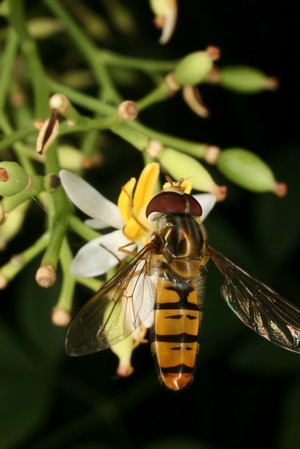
95, 224
90, 201
207, 202
93, 259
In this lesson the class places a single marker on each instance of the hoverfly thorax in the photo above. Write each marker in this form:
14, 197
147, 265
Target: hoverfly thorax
177, 218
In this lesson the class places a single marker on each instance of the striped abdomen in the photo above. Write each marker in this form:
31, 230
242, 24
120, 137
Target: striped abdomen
177, 318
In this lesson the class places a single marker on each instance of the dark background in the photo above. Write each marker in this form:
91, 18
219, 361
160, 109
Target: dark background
246, 392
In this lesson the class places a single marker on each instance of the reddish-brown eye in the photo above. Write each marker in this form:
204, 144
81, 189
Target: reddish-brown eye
174, 203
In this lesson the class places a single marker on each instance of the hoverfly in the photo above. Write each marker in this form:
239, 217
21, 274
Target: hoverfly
162, 288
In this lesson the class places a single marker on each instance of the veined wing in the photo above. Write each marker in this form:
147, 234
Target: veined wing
119, 308
258, 306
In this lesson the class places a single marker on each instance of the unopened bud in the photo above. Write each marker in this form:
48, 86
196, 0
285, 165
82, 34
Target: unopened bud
45, 276
249, 171
181, 165
70, 158
13, 178
44, 27
246, 80
195, 67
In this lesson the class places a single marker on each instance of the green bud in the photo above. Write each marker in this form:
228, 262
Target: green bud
160, 7
70, 157
13, 178
44, 27
246, 80
194, 68
180, 165
249, 171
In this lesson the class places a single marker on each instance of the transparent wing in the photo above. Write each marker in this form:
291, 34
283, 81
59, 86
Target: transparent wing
120, 307
258, 306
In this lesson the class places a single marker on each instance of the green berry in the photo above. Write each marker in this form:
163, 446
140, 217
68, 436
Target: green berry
13, 178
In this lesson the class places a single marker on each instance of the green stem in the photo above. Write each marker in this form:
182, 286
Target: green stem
81, 229
142, 133
91, 283
146, 65
9, 203
89, 103
13, 136
7, 61
59, 214
162, 92
189, 147
19, 261
65, 299
29, 49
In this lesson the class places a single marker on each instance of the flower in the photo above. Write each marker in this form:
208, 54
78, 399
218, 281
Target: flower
128, 218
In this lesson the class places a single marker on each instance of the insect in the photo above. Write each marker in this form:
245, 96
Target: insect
162, 288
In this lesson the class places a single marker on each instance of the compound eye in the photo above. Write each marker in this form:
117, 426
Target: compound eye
174, 203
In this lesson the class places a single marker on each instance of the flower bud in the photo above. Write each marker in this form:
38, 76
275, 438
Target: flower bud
13, 178
181, 165
247, 170
246, 80
44, 27
70, 158
195, 67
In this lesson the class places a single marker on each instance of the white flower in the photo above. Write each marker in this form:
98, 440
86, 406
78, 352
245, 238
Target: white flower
128, 218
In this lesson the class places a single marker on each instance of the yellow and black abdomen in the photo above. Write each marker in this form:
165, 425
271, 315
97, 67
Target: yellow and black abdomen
177, 319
